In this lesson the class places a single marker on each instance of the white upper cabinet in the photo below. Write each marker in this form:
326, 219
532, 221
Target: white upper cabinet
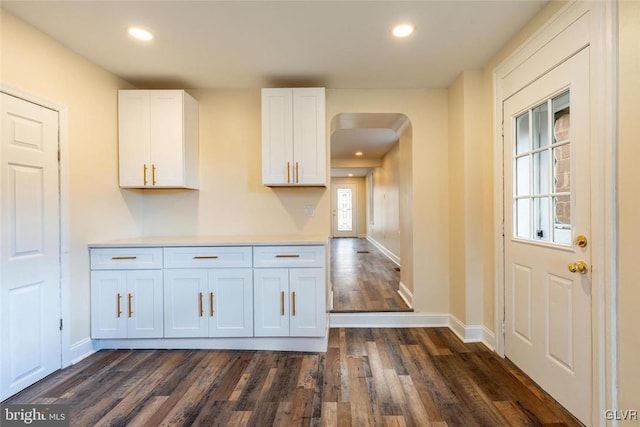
294, 148
158, 139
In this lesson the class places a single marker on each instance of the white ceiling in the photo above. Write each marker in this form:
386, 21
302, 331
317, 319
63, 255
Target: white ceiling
251, 44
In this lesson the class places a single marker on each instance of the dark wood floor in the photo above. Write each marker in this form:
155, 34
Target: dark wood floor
368, 377
364, 280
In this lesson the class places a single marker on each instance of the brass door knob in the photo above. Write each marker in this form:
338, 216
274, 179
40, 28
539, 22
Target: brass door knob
578, 267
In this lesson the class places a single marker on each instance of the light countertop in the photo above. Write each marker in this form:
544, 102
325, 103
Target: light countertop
176, 241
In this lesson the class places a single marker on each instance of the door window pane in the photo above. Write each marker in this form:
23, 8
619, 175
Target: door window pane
522, 176
542, 172
522, 133
345, 218
541, 126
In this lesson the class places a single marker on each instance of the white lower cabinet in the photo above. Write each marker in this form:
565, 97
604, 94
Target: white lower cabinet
289, 302
208, 303
126, 304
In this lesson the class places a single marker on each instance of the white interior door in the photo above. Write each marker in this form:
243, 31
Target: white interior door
29, 245
345, 197
547, 207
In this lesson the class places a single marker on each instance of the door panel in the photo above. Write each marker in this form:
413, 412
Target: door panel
108, 305
232, 295
144, 304
271, 297
547, 205
29, 245
308, 317
184, 293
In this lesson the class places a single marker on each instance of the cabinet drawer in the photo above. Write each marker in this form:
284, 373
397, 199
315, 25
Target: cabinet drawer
208, 257
126, 258
289, 256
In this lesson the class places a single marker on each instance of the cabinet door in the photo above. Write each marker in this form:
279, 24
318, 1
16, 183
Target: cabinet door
309, 136
108, 317
184, 303
144, 304
167, 138
271, 302
133, 138
230, 302
308, 312
277, 137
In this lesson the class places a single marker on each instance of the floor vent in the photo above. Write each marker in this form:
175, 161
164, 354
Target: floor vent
396, 268
362, 252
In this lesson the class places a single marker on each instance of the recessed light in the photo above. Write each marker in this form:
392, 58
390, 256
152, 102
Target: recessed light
358, 153
140, 34
402, 30
350, 174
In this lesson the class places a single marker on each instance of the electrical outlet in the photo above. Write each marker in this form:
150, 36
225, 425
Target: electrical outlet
309, 211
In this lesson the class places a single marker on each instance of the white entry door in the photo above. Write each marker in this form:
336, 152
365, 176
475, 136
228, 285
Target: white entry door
547, 210
29, 245
344, 203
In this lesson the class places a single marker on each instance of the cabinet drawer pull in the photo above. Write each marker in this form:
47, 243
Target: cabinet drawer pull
288, 256
129, 301
118, 310
205, 257
144, 173
211, 304
116, 258
293, 303
282, 303
200, 310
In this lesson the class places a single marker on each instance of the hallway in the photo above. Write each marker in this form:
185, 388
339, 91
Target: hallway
363, 278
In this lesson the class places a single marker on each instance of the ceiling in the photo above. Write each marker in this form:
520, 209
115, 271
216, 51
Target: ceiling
252, 44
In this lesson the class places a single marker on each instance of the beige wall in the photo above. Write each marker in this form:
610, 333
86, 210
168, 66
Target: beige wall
629, 204
99, 210
385, 227
485, 116
465, 198
232, 199
360, 201
424, 205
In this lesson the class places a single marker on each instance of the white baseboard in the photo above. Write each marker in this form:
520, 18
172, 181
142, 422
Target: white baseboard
472, 333
388, 320
406, 295
393, 257
82, 349
362, 236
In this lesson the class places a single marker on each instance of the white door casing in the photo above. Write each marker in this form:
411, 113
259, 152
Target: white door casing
30, 245
548, 308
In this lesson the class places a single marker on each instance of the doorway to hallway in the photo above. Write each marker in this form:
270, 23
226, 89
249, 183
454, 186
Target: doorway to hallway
363, 278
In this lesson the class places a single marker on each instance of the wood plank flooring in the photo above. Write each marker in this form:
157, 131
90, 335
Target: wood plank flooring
364, 280
368, 377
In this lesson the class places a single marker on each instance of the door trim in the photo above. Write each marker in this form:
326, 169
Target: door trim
354, 207
600, 21
63, 170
